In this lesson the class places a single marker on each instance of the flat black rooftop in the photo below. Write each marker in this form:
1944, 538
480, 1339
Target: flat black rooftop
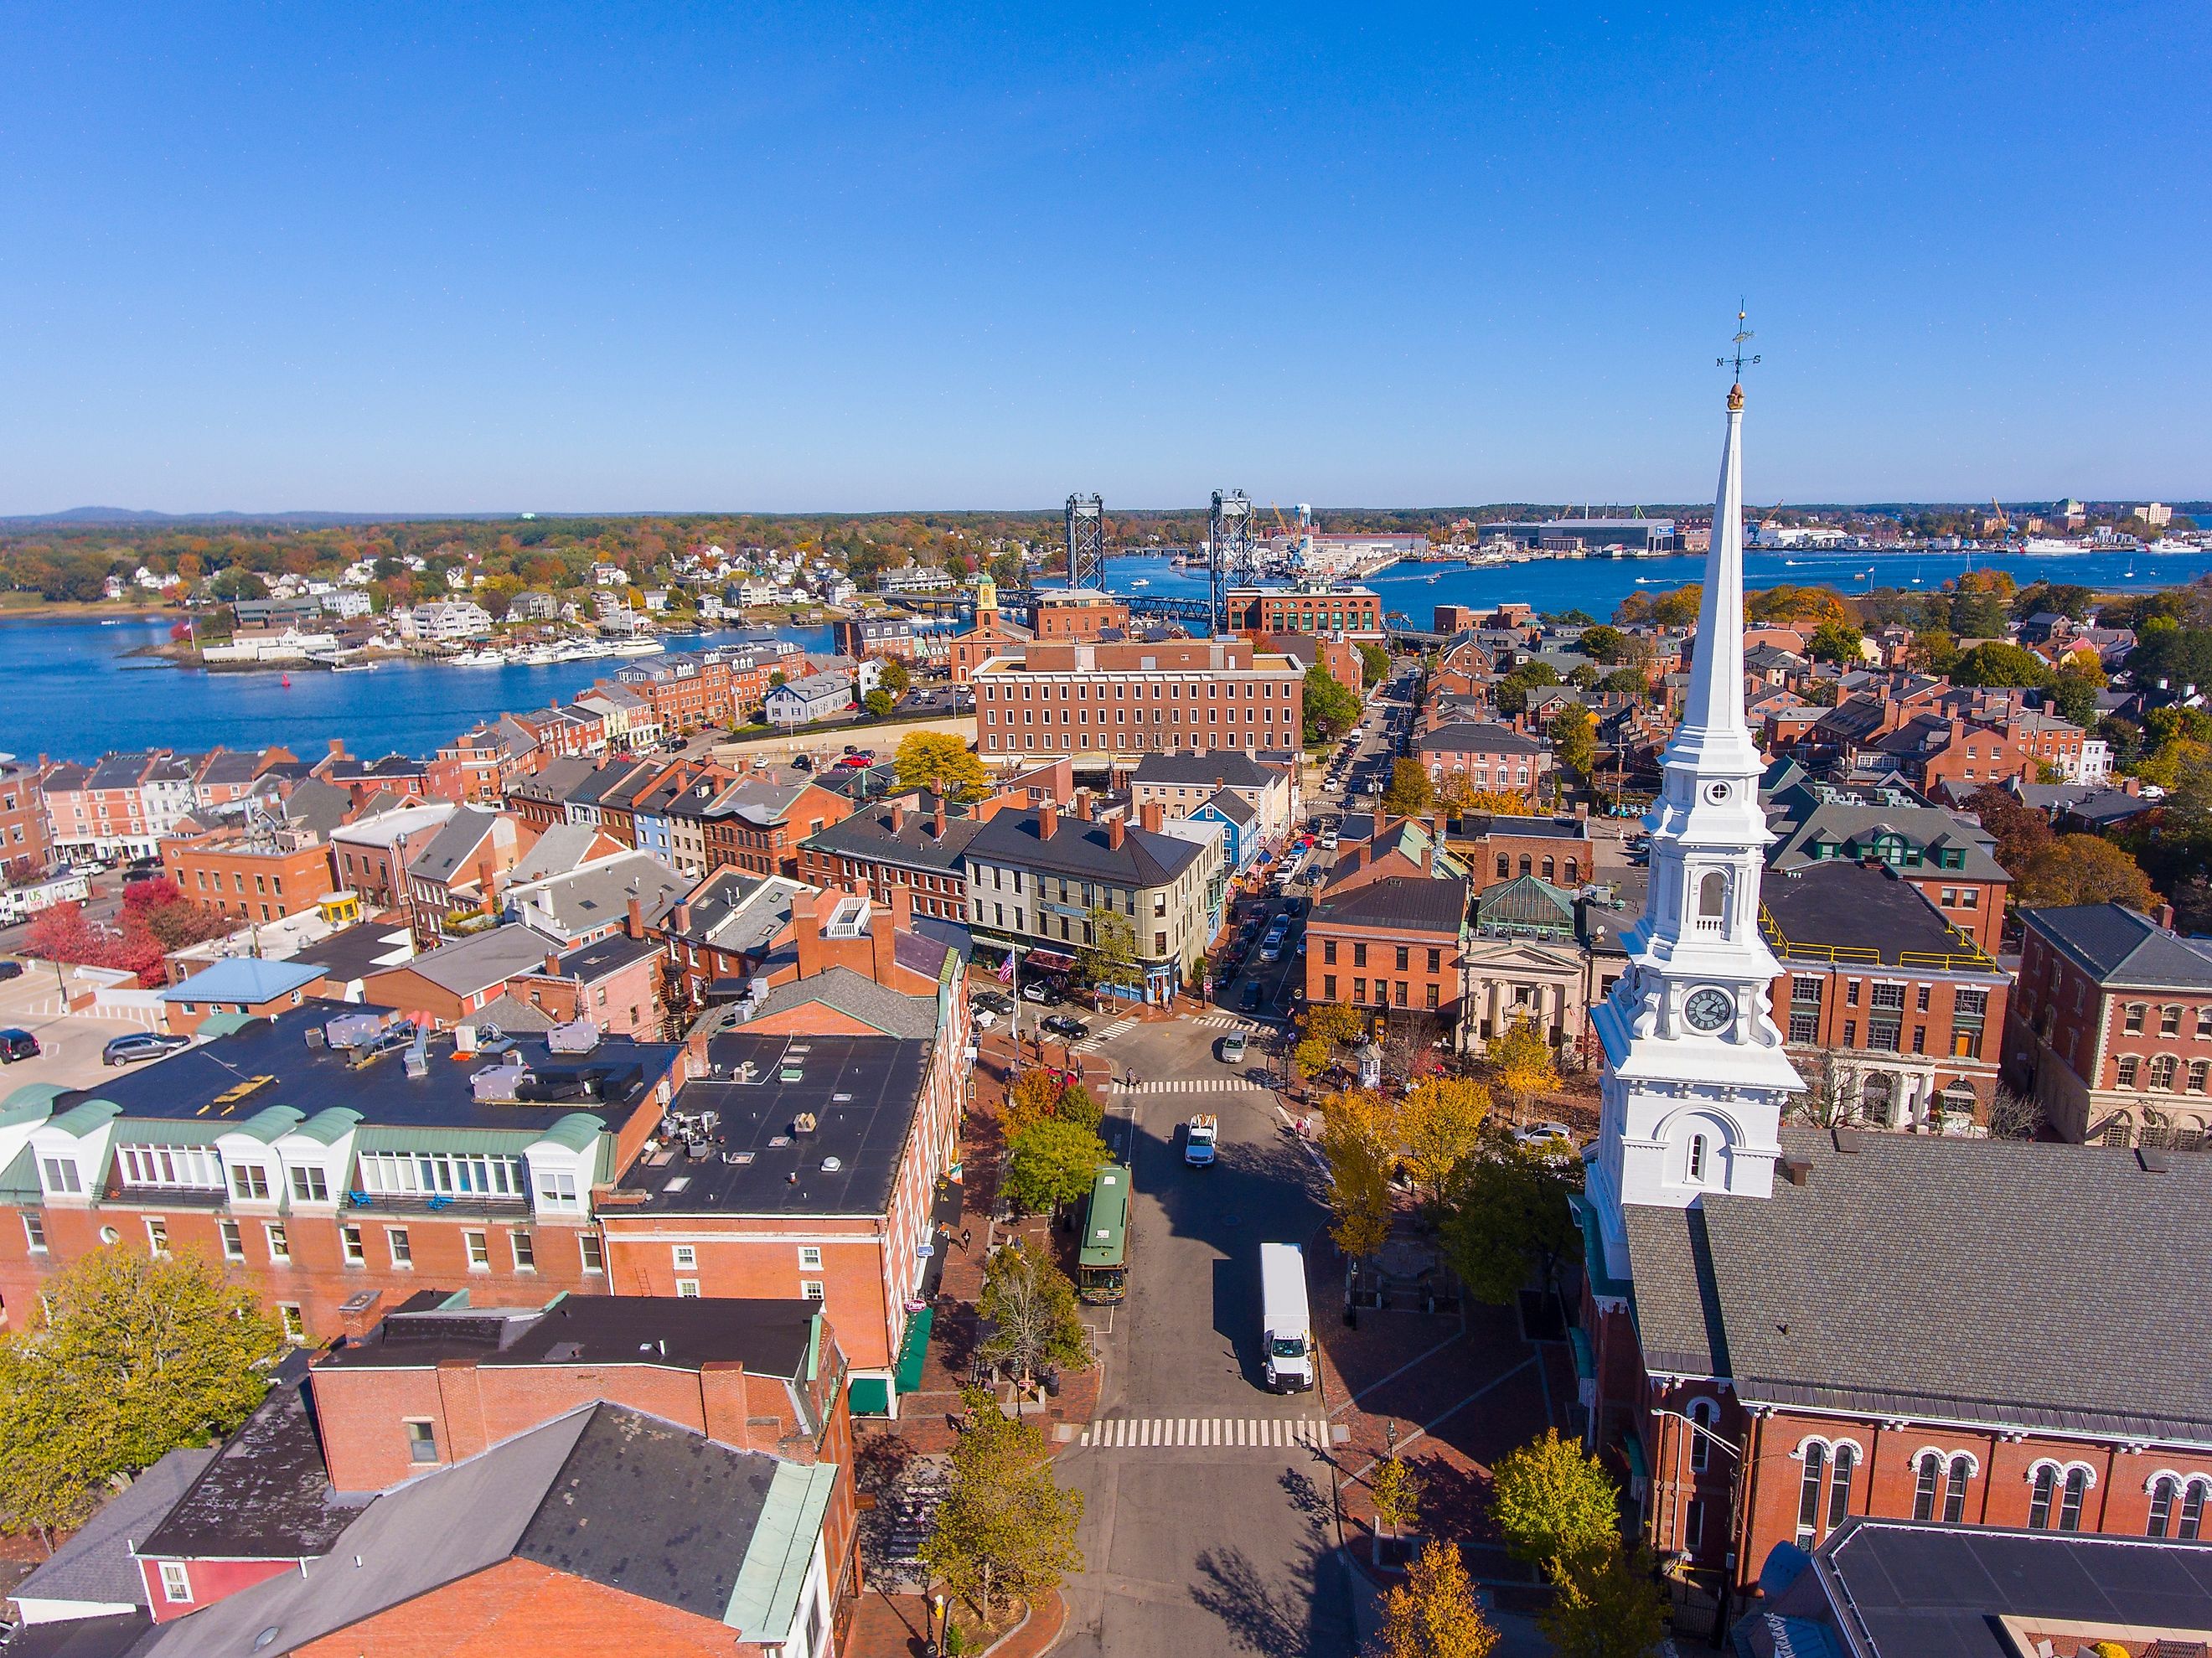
269, 1062
1920, 1591
767, 1336
1852, 906
266, 1497
862, 1092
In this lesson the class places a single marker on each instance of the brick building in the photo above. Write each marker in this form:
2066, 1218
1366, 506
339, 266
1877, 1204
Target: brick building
256, 872
757, 823
370, 854
1893, 1017
1772, 1366
1061, 614
1180, 783
1103, 700
1305, 607
320, 1169
896, 845
2111, 1031
808, 1160
26, 847
1495, 758
1393, 942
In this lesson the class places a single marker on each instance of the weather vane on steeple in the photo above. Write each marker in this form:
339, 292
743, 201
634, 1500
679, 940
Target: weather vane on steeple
1743, 338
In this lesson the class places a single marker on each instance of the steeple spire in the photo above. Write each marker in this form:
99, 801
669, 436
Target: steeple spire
1715, 699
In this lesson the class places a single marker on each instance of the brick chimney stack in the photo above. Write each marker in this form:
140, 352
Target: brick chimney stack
1152, 816
552, 965
633, 923
807, 929
899, 818
883, 940
937, 825
1083, 807
1116, 832
1048, 821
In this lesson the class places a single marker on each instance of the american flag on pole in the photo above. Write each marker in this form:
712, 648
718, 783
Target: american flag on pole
1006, 970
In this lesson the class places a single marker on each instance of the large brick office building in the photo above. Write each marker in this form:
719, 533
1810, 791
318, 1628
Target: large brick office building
1108, 701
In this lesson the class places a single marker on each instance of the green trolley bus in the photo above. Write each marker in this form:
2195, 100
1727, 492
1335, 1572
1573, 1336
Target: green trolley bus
1102, 1266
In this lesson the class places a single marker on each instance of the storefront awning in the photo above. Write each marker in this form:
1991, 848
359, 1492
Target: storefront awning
913, 1348
1048, 960
1631, 1446
870, 1395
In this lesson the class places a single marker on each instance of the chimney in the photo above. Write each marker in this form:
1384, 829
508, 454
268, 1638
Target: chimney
356, 793
1151, 816
1083, 807
338, 748
552, 965
1048, 821
883, 940
937, 824
899, 818
681, 917
1116, 831
806, 928
635, 924
1798, 1171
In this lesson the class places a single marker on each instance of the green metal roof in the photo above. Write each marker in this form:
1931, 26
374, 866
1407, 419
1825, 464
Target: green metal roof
764, 1603
329, 1125
19, 1181
1526, 901
495, 1142
579, 1131
267, 1125
171, 1131
31, 1102
88, 1118
225, 1023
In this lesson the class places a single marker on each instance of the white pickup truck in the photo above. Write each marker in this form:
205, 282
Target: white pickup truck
1198, 1140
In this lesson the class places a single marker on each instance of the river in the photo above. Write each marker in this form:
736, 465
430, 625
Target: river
69, 687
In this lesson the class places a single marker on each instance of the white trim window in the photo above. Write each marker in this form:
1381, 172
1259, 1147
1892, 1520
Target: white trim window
176, 1583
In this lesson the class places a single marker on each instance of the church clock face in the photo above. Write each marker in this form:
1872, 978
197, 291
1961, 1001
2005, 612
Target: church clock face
1708, 1009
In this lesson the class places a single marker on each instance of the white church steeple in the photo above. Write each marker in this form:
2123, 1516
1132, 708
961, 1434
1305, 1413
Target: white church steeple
1695, 1077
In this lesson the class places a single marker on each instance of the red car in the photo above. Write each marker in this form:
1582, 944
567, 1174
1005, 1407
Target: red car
857, 761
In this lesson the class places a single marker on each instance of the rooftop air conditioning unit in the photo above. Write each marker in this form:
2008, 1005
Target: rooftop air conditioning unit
804, 1123
577, 1036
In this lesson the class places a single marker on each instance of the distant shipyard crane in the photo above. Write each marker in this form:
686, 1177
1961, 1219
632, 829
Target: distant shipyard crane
1086, 541
1229, 554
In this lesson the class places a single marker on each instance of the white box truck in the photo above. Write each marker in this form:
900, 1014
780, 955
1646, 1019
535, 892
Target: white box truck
1286, 1323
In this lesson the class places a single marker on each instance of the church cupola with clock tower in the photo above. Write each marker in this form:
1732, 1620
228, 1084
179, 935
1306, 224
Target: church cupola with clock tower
1696, 1079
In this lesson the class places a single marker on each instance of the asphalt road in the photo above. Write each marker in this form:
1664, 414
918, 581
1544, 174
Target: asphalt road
1219, 1547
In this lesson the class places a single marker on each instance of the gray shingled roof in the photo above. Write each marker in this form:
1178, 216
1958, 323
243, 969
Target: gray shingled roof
452, 847
557, 851
483, 959
1083, 848
858, 997
2115, 946
95, 1565
2023, 1284
1231, 767
1475, 737
916, 845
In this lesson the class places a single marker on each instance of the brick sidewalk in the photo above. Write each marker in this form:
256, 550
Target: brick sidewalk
1460, 1390
895, 1625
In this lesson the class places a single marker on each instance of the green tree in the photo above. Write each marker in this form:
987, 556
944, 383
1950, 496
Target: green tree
878, 704
1553, 1503
1030, 1306
1935, 650
1574, 740
1506, 1220
1330, 709
1978, 616
1440, 1126
898, 677
1410, 794
1626, 682
1108, 960
1005, 1529
1607, 1606
1510, 693
1395, 1491
140, 1354
2075, 691
1051, 1163
1374, 663
1434, 1613
1838, 642
1998, 664
941, 763
1603, 644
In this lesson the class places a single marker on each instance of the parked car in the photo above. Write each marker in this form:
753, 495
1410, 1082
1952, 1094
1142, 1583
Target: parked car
983, 1018
1064, 1026
141, 1045
16, 1043
992, 1001
1551, 1140
1251, 997
11, 970
1040, 990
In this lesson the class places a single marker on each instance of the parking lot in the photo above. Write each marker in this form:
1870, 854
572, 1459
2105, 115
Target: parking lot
70, 1044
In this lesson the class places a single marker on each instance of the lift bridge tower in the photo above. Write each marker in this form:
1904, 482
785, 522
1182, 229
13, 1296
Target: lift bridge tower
1230, 555
1086, 541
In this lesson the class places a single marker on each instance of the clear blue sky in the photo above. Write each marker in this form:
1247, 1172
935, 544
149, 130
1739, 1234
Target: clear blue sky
565, 257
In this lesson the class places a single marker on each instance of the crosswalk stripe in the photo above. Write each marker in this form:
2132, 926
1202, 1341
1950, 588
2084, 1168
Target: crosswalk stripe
1204, 1085
1200, 1432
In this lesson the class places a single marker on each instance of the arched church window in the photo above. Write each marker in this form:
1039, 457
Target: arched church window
1697, 1159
